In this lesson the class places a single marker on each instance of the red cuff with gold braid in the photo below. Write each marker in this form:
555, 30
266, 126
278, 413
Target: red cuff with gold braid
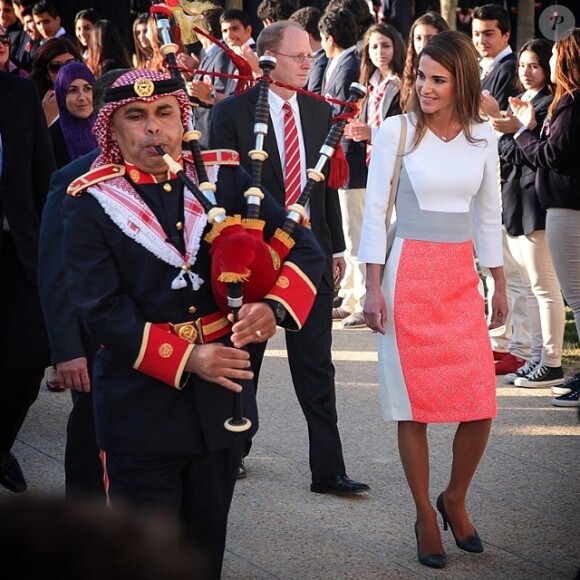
294, 290
163, 355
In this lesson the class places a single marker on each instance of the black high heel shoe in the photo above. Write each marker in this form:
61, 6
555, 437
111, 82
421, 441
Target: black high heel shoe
469, 543
432, 560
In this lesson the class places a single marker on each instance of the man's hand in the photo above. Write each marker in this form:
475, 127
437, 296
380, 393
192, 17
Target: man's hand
74, 374
338, 270
220, 364
189, 62
256, 323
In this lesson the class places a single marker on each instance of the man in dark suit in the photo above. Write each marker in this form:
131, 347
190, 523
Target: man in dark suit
309, 350
491, 34
338, 31
138, 272
26, 163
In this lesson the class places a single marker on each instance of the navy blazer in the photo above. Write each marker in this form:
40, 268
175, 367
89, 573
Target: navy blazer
346, 72
68, 338
501, 81
117, 286
521, 209
28, 163
232, 127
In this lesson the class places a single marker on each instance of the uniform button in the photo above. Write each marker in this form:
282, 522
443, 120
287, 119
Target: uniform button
179, 226
192, 309
167, 187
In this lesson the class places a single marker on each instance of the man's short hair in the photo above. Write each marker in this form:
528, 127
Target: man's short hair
341, 25
308, 17
275, 10
45, 7
235, 14
494, 12
211, 21
271, 36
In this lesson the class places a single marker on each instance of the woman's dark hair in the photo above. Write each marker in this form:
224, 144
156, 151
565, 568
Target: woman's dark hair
142, 55
367, 68
52, 48
106, 48
89, 14
456, 53
542, 48
428, 19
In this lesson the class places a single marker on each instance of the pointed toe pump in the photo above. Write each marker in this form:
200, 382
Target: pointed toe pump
435, 560
469, 543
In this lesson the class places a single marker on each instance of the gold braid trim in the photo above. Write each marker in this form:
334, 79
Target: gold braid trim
283, 237
253, 224
217, 228
228, 277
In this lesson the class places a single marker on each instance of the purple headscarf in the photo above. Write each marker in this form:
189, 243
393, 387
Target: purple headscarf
78, 133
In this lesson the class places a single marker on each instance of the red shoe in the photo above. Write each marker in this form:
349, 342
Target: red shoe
509, 364
497, 355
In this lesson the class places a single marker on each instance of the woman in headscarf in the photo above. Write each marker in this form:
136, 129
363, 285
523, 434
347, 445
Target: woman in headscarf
71, 133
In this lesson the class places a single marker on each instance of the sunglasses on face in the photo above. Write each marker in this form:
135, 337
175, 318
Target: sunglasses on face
5, 40
55, 65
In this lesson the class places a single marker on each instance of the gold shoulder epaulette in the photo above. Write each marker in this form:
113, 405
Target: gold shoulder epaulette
93, 176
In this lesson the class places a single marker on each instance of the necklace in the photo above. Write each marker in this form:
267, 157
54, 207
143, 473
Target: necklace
444, 135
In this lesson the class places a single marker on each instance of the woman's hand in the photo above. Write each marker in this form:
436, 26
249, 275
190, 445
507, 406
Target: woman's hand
489, 106
375, 308
357, 130
506, 124
499, 302
524, 111
50, 107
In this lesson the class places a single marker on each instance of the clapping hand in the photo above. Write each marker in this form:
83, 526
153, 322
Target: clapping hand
524, 111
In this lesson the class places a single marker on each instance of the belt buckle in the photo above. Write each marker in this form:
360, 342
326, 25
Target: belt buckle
190, 331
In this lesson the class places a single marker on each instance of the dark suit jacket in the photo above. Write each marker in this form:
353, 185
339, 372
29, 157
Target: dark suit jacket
521, 209
232, 127
316, 74
500, 82
68, 338
28, 163
346, 72
117, 285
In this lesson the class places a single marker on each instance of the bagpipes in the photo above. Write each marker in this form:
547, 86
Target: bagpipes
244, 267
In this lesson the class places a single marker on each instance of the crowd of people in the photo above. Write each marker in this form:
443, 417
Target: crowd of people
101, 285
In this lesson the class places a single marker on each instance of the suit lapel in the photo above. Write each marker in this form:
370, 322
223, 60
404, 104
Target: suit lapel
310, 132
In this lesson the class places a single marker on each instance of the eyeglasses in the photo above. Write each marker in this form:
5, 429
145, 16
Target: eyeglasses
297, 58
56, 65
5, 40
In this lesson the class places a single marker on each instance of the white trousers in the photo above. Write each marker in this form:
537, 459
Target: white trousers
352, 288
514, 336
546, 312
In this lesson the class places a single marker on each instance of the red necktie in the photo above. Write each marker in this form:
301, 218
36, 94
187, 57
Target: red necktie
292, 177
374, 112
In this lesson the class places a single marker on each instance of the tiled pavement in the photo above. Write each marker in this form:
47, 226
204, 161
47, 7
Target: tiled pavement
524, 500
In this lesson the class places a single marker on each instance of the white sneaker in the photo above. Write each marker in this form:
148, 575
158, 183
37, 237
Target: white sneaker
521, 372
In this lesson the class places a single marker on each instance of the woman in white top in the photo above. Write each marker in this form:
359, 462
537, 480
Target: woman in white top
435, 359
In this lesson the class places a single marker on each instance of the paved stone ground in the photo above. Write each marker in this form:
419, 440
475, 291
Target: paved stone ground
524, 499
